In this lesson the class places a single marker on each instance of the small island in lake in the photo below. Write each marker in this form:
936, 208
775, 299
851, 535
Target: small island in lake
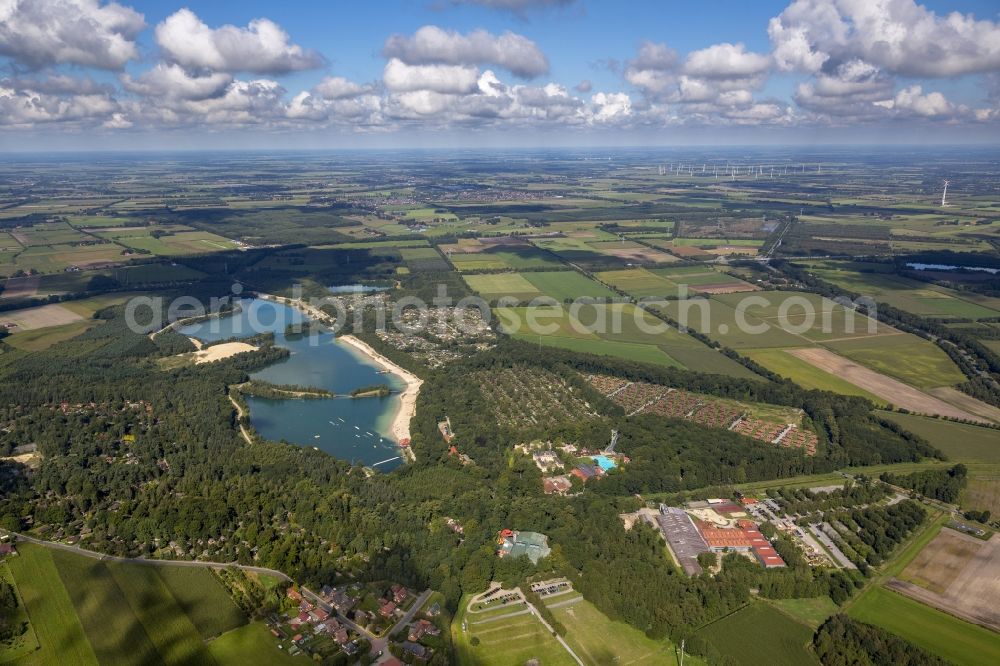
373, 391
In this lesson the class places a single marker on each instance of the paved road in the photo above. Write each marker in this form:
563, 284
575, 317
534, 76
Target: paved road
141, 560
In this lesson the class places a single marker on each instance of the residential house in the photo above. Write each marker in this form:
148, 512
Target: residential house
416, 649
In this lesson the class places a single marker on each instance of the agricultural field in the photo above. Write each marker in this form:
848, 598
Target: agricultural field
960, 642
920, 298
811, 611
959, 441
557, 285
42, 316
49, 233
119, 613
169, 241
982, 492
505, 256
599, 641
60, 635
249, 644
918, 362
639, 283
43, 338
26, 643
619, 329
786, 364
567, 285
958, 574
704, 280
737, 636
57, 258
494, 286
423, 259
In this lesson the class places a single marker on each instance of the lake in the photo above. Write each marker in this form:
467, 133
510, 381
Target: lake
355, 430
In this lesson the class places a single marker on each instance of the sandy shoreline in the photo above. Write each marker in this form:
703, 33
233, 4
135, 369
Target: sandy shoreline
400, 428
221, 351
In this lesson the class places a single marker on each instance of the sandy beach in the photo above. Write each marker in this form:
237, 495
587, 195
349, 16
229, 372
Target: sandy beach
221, 351
408, 398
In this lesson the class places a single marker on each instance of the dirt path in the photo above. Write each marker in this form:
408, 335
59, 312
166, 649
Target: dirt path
240, 413
891, 390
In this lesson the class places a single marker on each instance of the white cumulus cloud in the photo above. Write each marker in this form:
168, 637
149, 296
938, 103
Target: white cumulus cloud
431, 45
262, 47
39, 33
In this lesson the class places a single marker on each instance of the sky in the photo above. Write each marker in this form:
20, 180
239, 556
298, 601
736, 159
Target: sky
227, 74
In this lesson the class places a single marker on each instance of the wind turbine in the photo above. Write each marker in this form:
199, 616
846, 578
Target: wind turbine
944, 195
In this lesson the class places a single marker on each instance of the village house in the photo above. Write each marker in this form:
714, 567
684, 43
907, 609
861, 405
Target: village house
422, 628
416, 649
387, 609
399, 593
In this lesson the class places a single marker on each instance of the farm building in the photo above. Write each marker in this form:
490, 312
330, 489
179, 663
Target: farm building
531, 544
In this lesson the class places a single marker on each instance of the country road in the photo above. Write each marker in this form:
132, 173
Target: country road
141, 560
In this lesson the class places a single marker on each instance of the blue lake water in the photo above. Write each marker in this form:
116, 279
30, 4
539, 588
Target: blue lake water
947, 267
355, 430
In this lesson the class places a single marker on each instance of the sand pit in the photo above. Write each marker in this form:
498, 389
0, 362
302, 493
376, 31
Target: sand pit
891, 390
220, 352
958, 574
41, 317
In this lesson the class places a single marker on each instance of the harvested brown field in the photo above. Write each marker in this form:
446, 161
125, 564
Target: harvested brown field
966, 402
892, 390
687, 252
21, 287
982, 493
958, 574
639, 255
725, 288
41, 317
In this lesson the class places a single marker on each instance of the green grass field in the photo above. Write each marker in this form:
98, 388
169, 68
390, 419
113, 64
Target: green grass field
61, 637
913, 296
805, 374
170, 630
251, 644
203, 598
616, 329
812, 611
26, 643
638, 282
504, 642
43, 338
567, 285
911, 359
493, 286
600, 642
105, 613
946, 636
88, 611
738, 636
960, 442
